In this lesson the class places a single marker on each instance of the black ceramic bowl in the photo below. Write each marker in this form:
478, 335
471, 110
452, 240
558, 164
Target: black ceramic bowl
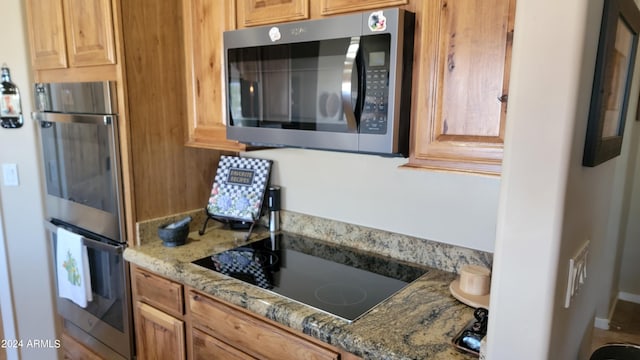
173, 237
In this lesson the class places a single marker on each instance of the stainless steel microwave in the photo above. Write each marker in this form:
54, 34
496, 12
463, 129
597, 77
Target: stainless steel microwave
340, 83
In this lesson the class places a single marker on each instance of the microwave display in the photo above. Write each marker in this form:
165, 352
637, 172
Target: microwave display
376, 58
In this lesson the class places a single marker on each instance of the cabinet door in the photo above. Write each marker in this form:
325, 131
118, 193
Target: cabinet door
203, 28
206, 347
158, 335
46, 34
460, 111
89, 29
261, 12
328, 7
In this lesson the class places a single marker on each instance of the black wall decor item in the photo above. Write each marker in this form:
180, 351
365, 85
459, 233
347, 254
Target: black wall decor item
612, 81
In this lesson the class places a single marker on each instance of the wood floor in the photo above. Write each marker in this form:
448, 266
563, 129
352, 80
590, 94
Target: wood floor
624, 327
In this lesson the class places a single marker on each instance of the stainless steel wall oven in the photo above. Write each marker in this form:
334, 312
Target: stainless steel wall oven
81, 164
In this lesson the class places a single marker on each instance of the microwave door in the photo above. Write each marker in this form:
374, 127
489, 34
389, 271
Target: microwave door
292, 94
337, 70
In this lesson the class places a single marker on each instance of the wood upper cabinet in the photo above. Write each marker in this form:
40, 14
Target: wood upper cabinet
70, 33
204, 58
261, 12
46, 33
329, 7
89, 29
461, 77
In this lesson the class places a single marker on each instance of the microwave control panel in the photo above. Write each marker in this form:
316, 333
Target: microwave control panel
374, 112
375, 107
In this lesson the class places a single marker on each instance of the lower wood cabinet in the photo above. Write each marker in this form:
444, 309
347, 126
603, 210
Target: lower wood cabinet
159, 292
206, 347
237, 330
158, 335
175, 322
158, 316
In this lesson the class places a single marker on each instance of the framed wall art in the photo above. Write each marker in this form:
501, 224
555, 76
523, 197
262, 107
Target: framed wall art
612, 80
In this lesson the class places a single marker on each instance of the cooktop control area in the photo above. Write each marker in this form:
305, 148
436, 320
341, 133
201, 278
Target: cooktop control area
341, 281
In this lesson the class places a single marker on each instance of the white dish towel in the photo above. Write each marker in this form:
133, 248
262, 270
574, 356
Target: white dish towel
72, 267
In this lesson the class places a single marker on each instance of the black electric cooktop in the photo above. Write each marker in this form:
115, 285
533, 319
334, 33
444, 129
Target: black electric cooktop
328, 277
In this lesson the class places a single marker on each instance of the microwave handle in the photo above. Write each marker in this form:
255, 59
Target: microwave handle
347, 72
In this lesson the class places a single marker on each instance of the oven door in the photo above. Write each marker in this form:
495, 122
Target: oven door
81, 169
106, 321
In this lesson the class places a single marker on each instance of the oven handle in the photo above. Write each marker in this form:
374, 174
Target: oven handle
94, 244
90, 243
47, 117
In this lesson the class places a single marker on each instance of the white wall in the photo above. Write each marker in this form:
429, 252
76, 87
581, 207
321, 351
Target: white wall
629, 282
622, 218
376, 192
21, 207
549, 203
539, 129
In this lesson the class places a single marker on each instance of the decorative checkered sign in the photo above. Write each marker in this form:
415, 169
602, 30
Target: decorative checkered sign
239, 187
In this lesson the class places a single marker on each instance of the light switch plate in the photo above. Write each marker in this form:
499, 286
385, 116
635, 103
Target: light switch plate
577, 273
10, 175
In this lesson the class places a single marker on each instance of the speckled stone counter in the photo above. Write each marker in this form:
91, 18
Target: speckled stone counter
416, 323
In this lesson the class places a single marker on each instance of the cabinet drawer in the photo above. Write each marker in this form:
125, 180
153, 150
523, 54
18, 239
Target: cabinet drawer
159, 292
251, 334
206, 347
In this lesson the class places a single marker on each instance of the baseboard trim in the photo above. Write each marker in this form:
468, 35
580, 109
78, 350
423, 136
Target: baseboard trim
634, 298
603, 323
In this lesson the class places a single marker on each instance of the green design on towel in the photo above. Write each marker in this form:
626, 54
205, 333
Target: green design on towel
73, 275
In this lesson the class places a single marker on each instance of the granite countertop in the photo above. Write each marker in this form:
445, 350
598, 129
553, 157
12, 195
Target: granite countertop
416, 323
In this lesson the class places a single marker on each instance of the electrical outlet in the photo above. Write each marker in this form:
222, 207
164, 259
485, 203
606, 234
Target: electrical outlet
577, 273
10, 174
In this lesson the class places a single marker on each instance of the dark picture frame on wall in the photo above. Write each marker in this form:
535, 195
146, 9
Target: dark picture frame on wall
612, 81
